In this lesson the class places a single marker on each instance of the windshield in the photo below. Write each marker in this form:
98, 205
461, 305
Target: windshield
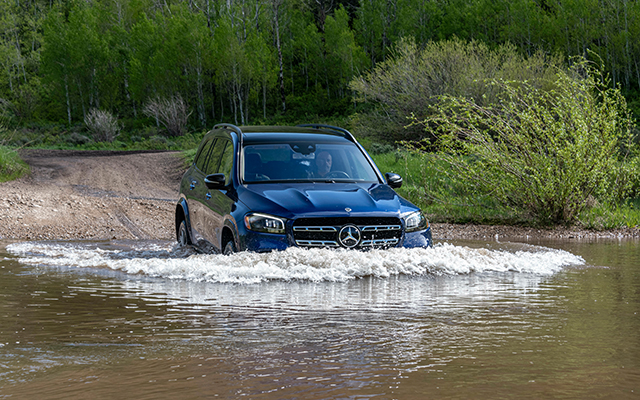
306, 162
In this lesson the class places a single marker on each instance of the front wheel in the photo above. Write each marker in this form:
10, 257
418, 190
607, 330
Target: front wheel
229, 248
183, 234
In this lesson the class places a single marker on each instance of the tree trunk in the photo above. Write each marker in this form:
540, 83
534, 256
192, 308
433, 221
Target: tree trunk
66, 92
199, 83
276, 24
84, 111
264, 98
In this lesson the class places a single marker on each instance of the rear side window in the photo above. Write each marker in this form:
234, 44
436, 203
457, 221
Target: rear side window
215, 156
203, 155
226, 164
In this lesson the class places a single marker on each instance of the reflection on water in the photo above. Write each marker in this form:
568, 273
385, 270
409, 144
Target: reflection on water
479, 320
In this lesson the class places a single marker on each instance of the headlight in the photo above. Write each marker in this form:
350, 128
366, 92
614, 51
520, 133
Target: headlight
415, 222
264, 223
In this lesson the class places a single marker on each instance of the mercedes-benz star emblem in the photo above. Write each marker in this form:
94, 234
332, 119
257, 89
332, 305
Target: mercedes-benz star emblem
349, 236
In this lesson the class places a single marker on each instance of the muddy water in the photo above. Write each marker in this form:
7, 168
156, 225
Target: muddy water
142, 320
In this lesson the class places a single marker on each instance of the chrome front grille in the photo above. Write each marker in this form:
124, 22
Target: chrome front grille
324, 232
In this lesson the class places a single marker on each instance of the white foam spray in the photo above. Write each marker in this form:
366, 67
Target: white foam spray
316, 265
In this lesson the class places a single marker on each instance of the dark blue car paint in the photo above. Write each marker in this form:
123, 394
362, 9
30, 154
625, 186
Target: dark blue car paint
289, 201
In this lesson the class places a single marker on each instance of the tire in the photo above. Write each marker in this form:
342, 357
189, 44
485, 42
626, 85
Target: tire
229, 248
183, 235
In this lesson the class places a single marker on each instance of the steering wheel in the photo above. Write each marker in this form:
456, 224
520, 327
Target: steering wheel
337, 174
260, 177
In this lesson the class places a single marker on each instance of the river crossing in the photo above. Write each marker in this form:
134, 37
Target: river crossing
482, 320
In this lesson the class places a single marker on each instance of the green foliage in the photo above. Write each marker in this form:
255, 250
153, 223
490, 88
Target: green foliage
426, 184
415, 78
545, 153
58, 60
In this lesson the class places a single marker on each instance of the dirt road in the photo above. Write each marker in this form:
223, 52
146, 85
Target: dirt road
131, 195
92, 195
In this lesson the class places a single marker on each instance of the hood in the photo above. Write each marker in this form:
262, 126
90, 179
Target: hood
320, 199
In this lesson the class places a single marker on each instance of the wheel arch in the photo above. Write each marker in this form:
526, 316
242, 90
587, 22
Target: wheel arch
229, 233
182, 214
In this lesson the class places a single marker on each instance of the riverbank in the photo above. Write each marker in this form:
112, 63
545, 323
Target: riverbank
517, 233
103, 195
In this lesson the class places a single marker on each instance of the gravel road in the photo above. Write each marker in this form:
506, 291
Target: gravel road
92, 195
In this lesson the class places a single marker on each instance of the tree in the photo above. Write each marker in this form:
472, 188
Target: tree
344, 57
75, 58
276, 6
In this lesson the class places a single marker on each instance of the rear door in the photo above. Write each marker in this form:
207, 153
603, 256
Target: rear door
196, 190
219, 201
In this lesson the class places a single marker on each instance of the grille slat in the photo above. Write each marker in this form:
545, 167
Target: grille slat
381, 228
323, 232
315, 229
317, 243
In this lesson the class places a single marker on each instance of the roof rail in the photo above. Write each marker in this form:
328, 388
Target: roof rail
345, 132
232, 128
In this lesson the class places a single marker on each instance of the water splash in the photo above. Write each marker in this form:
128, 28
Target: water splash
316, 265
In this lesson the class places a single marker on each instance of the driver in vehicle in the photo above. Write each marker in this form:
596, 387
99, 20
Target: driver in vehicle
323, 164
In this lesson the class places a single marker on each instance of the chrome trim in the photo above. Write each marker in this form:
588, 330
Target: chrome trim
314, 229
379, 242
380, 228
317, 243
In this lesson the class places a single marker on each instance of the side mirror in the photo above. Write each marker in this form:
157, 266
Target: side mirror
215, 181
393, 180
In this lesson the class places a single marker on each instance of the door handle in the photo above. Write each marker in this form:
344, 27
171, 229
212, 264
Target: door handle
193, 185
208, 196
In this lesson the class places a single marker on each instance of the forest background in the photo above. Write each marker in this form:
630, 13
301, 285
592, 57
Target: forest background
257, 61
273, 62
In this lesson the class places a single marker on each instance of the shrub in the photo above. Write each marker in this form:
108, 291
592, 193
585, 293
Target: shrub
413, 79
548, 153
171, 112
381, 148
104, 127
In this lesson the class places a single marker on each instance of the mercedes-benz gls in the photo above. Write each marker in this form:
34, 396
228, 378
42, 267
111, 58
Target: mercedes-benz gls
261, 188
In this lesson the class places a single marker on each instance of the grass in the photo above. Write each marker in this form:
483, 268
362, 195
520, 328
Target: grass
604, 217
11, 166
188, 156
426, 185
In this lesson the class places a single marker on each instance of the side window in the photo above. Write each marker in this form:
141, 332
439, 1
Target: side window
226, 165
203, 156
215, 156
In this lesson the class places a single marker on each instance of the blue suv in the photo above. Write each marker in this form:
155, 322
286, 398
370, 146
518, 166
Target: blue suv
261, 188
